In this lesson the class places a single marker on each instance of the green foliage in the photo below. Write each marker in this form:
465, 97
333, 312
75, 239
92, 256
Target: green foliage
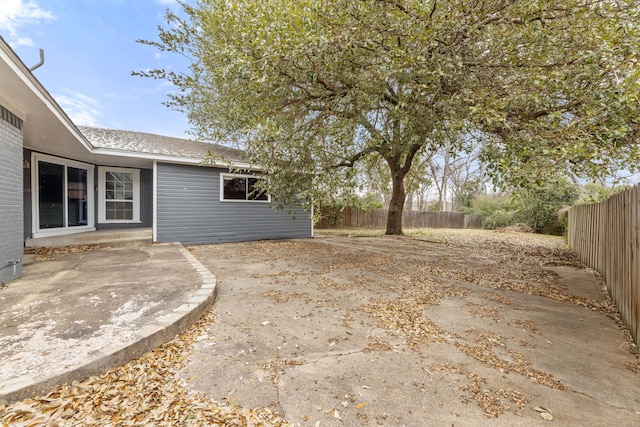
542, 205
495, 210
369, 202
468, 192
333, 211
434, 207
309, 88
499, 218
596, 193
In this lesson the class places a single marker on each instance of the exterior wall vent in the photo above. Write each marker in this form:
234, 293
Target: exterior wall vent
11, 118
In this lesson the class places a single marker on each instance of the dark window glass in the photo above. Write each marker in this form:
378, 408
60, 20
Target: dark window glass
51, 195
242, 188
235, 188
76, 196
119, 211
254, 193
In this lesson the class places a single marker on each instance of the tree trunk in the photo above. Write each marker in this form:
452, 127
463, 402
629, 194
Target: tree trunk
396, 205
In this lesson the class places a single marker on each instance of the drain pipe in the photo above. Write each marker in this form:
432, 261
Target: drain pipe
12, 263
39, 64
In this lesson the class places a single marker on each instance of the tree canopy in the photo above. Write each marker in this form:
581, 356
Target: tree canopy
311, 88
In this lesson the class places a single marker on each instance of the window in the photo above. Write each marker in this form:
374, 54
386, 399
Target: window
119, 195
241, 187
62, 196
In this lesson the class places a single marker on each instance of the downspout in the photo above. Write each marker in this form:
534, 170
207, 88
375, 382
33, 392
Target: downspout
39, 64
12, 263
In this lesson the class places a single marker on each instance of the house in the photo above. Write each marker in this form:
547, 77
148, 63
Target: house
58, 178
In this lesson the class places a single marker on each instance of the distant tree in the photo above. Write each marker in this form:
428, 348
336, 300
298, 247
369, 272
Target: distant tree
495, 210
451, 166
594, 192
468, 192
311, 87
540, 205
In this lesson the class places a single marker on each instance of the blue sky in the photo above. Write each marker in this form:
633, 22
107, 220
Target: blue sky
90, 50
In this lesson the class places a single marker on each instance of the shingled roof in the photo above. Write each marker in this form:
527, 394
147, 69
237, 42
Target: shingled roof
148, 143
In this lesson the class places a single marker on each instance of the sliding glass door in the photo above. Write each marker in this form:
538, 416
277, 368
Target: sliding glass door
63, 198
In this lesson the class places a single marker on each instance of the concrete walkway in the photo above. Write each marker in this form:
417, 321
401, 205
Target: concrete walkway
84, 312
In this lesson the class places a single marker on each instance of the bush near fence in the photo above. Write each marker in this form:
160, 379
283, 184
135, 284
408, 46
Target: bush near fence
376, 219
606, 237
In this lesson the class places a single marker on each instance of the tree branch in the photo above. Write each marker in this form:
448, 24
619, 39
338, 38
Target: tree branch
521, 65
351, 161
411, 154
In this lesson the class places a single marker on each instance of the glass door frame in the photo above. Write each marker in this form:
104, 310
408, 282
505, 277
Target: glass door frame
35, 196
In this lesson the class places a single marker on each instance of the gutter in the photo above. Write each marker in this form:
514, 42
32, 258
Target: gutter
170, 159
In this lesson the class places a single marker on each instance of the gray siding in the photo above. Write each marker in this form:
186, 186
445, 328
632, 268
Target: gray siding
189, 211
146, 203
11, 207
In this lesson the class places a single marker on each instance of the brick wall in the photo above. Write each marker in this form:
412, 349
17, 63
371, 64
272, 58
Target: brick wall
11, 203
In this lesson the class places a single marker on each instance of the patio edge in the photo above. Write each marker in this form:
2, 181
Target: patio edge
149, 337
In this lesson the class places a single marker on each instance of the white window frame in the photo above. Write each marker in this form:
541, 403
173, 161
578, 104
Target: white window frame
235, 175
102, 202
35, 196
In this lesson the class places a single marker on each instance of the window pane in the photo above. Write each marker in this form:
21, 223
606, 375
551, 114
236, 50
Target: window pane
253, 193
76, 196
235, 189
51, 195
118, 186
119, 211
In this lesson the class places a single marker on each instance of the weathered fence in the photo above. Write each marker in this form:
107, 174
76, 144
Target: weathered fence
606, 237
376, 219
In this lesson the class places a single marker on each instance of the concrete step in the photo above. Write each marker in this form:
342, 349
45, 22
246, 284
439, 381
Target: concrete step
115, 238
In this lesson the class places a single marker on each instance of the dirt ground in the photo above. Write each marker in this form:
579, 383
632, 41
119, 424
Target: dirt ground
438, 328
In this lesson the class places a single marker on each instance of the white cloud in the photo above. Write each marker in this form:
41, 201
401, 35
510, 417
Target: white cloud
15, 14
22, 41
83, 110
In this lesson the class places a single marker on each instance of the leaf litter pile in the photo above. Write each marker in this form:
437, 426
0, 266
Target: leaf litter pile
150, 391
50, 253
143, 392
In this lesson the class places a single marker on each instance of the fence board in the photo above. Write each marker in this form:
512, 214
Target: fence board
606, 237
376, 219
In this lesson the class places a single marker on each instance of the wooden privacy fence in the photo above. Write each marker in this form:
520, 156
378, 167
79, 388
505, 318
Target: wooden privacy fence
605, 236
376, 219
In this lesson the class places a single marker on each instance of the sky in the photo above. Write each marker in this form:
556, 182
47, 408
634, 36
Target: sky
90, 51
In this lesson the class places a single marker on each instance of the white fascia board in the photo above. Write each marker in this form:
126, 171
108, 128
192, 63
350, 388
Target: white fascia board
172, 159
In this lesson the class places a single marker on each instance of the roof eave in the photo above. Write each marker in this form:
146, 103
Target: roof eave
18, 67
174, 159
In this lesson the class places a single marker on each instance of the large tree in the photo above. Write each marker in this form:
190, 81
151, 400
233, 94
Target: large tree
311, 87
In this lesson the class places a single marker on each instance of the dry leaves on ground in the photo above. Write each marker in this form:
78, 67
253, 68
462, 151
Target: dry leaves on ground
144, 392
493, 403
50, 253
